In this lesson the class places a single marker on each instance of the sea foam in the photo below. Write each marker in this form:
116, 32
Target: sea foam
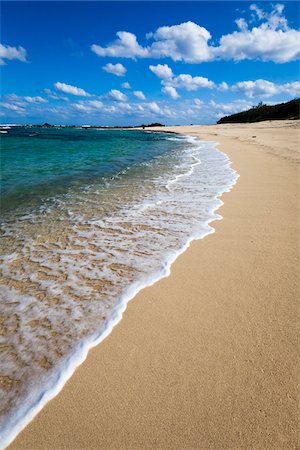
69, 270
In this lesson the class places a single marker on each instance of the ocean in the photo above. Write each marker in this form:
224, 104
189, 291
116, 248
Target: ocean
88, 218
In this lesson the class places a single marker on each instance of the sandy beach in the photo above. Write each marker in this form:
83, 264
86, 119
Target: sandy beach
208, 357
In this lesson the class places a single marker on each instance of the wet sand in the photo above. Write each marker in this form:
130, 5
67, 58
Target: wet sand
208, 357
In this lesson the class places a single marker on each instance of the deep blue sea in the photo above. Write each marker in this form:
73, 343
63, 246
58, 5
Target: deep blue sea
88, 218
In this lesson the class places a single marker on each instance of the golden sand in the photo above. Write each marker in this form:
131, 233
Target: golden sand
208, 357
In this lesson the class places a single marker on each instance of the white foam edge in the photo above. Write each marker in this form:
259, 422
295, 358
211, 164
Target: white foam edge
24, 417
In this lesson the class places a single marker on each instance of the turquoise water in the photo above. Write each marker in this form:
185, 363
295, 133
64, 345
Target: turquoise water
89, 218
37, 163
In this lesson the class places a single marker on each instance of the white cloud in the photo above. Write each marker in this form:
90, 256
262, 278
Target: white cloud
88, 106
189, 83
259, 12
264, 88
171, 92
185, 111
256, 88
36, 99
270, 40
96, 104
13, 107
139, 111
153, 107
23, 100
82, 107
116, 69
184, 42
162, 71
140, 95
125, 46
223, 86
292, 89
273, 19
68, 89
8, 52
126, 85
117, 95
182, 81
259, 43
218, 110
242, 24
198, 102
54, 95
125, 107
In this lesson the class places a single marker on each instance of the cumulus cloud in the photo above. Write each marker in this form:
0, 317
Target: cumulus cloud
250, 88
292, 89
189, 83
125, 107
182, 81
116, 69
171, 92
96, 104
184, 42
218, 110
8, 52
106, 111
117, 95
259, 43
162, 71
13, 107
140, 95
68, 89
207, 112
22, 101
264, 88
36, 99
270, 39
82, 107
153, 107
126, 85
125, 46
223, 86
54, 95
21, 104
88, 106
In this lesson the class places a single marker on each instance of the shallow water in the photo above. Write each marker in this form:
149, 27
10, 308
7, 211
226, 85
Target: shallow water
102, 214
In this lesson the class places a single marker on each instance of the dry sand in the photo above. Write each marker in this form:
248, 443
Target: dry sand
207, 358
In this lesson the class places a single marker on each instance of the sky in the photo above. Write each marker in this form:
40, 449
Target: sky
128, 63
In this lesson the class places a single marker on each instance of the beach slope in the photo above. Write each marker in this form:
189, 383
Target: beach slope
208, 357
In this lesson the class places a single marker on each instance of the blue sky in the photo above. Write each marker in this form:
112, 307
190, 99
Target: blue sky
112, 63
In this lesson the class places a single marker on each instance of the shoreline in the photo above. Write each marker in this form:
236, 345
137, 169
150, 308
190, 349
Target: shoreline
79, 356
61, 430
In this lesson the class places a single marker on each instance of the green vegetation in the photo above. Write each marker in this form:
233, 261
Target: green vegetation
281, 111
156, 124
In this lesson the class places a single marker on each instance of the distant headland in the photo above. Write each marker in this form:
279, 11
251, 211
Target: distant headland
281, 111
